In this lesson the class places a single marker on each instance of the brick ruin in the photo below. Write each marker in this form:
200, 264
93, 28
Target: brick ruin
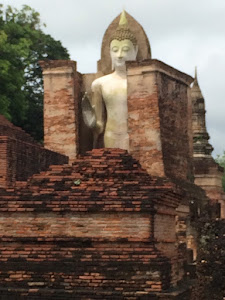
83, 223
89, 229
208, 174
21, 156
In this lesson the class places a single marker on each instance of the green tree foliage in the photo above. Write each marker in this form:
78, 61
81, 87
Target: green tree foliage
211, 261
221, 161
22, 44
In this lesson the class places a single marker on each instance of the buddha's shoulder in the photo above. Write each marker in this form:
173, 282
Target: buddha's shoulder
99, 82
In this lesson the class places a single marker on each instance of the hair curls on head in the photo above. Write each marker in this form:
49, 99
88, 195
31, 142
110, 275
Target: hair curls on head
123, 32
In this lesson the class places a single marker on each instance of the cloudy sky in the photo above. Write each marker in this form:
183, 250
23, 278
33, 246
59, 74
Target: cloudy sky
183, 34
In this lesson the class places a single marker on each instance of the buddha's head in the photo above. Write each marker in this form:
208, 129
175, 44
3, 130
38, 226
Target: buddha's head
123, 44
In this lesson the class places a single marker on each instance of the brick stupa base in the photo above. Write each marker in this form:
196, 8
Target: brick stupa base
101, 228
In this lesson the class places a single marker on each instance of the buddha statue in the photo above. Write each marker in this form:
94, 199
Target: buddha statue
107, 114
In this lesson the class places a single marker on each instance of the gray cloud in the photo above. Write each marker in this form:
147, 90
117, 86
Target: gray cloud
182, 34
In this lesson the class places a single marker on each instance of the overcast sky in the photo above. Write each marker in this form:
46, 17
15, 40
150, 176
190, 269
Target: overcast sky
183, 34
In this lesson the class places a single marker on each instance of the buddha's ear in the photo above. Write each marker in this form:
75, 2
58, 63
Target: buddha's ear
113, 67
136, 50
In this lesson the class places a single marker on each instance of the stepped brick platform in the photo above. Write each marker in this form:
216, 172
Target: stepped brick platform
101, 228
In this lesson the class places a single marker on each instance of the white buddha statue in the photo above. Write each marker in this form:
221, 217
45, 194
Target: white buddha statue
109, 93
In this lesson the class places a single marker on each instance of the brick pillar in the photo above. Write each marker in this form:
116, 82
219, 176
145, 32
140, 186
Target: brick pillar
61, 97
144, 120
4, 162
158, 118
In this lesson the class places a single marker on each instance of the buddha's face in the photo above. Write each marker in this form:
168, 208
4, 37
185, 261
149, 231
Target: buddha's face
122, 51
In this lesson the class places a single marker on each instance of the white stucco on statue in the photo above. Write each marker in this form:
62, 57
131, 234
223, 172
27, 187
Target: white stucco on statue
109, 93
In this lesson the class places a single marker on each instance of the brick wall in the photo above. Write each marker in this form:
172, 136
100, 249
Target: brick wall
21, 156
78, 270
3, 162
19, 160
158, 118
164, 226
62, 88
208, 175
86, 231
174, 124
144, 121
96, 226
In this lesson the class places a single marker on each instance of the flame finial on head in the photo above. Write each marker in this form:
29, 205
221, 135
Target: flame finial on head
123, 32
123, 19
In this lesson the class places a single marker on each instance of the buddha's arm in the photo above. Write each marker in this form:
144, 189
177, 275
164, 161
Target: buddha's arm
98, 106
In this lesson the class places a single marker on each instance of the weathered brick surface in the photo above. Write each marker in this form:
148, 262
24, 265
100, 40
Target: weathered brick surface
102, 228
144, 124
21, 156
104, 180
4, 178
207, 165
91, 230
165, 232
208, 175
62, 88
192, 203
158, 118
7, 162
87, 269
174, 125
94, 225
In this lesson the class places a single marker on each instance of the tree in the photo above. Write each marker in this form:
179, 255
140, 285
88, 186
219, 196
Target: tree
22, 44
210, 269
221, 161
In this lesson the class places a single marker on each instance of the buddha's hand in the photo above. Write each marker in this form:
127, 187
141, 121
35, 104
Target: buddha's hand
99, 128
88, 112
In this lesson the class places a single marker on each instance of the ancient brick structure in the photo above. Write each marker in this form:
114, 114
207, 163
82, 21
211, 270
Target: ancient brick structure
159, 118
62, 91
100, 228
21, 156
159, 88
208, 174
106, 224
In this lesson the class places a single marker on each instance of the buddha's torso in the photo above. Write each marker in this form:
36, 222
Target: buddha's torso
114, 93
